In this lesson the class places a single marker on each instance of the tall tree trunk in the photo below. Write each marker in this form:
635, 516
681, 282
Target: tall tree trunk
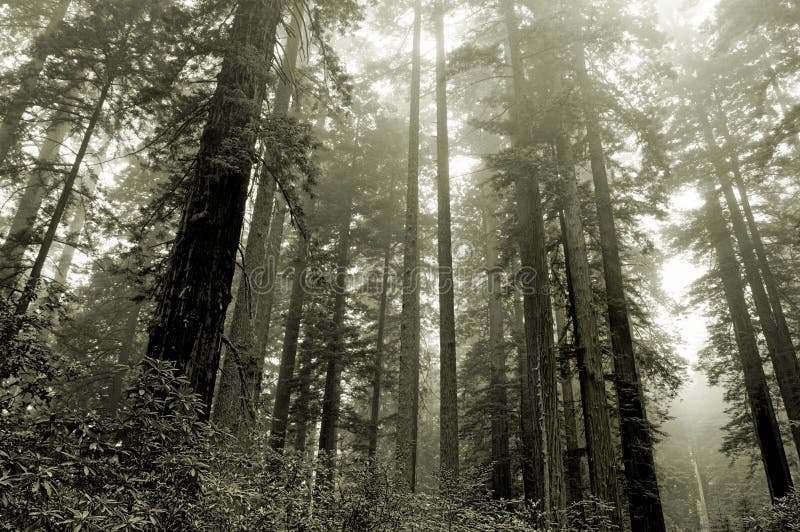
644, 500
448, 389
765, 424
74, 232
29, 293
572, 451
597, 425
235, 405
779, 346
268, 289
283, 389
498, 401
187, 328
770, 282
21, 100
536, 456
240, 388
20, 235
332, 395
408, 381
302, 415
377, 375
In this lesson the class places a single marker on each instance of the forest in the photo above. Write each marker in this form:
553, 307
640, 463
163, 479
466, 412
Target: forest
310, 265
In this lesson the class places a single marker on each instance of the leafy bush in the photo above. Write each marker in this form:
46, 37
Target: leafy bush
783, 516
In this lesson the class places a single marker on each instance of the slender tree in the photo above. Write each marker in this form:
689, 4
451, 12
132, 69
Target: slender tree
762, 412
377, 375
408, 382
644, 500
448, 389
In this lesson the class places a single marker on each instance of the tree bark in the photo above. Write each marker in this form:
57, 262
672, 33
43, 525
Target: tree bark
597, 425
187, 328
9, 129
536, 456
127, 354
29, 293
408, 381
779, 346
377, 375
498, 401
644, 500
765, 424
448, 388
20, 235
283, 389
332, 395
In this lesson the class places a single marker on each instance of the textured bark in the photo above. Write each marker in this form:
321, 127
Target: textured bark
599, 444
448, 389
644, 500
29, 293
196, 290
302, 413
498, 400
332, 394
20, 235
536, 455
408, 380
235, 405
779, 346
283, 389
9, 129
377, 372
240, 386
765, 424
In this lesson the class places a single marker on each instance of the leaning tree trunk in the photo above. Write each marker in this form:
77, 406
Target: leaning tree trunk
240, 386
498, 401
765, 424
536, 458
644, 500
377, 371
20, 235
21, 100
29, 293
408, 380
332, 395
779, 346
196, 290
448, 388
73, 233
597, 425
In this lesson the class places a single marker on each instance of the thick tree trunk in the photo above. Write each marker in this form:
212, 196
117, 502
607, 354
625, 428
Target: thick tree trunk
21, 100
377, 372
332, 395
765, 424
541, 473
498, 401
283, 389
187, 328
20, 235
235, 405
29, 293
408, 381
644, 500
779, 346
597, 425
448, 389
302, 414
